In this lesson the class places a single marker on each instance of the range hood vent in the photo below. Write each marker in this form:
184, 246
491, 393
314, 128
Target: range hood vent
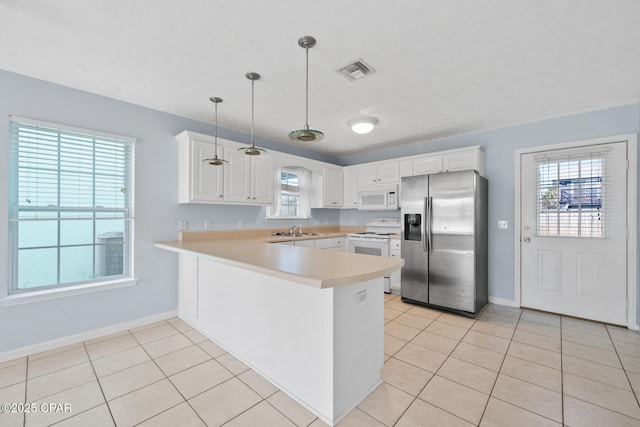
356, 70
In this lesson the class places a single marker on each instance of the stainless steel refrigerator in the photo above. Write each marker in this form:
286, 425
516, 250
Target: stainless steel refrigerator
444, 240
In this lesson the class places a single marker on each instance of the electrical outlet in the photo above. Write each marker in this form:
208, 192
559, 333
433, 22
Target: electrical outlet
208, 224
503, 225
361, 296
183, 225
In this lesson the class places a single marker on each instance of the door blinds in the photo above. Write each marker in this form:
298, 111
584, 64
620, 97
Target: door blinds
572, 193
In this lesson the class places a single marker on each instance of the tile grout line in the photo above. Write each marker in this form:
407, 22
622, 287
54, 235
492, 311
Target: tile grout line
165, 377
26, 384
99, 385
561, 372
633, 391
501, 364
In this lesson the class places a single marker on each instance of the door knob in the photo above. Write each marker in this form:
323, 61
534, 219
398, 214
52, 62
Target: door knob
526, 239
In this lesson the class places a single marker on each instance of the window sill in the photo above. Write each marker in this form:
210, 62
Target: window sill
50, 294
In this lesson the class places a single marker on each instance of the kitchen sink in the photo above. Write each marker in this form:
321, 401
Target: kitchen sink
297, 234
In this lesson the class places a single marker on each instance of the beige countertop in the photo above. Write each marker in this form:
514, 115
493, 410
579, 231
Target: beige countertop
254, 250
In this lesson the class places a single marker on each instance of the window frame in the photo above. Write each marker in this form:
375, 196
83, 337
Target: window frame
57, 289
305, 191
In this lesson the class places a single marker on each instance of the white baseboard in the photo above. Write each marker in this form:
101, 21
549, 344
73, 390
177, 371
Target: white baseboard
83, 336
503, 301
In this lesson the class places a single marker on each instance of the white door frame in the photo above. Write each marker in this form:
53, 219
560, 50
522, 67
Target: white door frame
632, 215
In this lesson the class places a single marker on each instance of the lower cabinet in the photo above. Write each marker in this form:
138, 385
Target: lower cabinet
305, 243
395, 277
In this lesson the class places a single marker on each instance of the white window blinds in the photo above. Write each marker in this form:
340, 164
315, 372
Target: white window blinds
71, 201
572, 193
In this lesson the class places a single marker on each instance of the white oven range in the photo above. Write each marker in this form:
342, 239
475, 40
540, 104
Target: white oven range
375, 240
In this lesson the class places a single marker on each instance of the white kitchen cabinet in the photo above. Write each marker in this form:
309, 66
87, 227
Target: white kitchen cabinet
332, 243
463, 160
248, 179
339, 244
406, 168
421, 166
198, 181
379, 173
444, 161
350, 194
305, 243
332, 188
395, 277
428, 164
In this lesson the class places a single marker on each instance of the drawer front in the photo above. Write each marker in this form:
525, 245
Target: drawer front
324, 243
337, 242
395, 244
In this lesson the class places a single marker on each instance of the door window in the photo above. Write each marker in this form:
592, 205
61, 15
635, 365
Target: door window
570, 196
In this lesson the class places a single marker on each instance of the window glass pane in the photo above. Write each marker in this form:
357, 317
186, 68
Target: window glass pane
76, 232
37, 233
76, 264
106, 227
110, 258
37, 267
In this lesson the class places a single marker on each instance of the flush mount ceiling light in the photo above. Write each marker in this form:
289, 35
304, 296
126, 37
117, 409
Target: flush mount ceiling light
306, 134
252, 150
215, 161
362, 125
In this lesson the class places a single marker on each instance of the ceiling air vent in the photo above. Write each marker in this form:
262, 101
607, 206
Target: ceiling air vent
356, 70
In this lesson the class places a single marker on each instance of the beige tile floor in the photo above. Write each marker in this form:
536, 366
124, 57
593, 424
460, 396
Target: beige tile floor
509, 367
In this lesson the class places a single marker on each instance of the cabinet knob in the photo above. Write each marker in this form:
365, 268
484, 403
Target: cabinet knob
248, 198
254, 198
220, 196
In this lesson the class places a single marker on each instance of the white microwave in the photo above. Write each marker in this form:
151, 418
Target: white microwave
378, 198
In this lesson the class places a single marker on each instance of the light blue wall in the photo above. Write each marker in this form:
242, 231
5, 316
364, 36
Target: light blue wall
157, 211
499, 146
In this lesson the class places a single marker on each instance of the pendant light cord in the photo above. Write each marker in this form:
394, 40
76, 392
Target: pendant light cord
252, 102
306, 118
216, 134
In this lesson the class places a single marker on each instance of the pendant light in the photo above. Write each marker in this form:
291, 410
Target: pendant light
306, 134
215, 161
252, 150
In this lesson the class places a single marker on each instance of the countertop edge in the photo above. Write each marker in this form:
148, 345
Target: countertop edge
305, 280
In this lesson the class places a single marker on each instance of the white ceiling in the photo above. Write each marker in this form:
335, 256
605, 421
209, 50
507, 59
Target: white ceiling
443, 67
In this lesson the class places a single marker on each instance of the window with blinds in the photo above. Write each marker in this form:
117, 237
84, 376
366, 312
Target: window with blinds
71, 205
289, 193
571, 195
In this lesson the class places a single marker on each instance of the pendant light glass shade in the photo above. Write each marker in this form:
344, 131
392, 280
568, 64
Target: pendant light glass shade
306, 134
252, 150
215, 160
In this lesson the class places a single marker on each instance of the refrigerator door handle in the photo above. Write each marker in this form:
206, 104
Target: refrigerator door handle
427, 225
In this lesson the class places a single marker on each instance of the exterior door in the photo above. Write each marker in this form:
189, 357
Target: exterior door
573, 237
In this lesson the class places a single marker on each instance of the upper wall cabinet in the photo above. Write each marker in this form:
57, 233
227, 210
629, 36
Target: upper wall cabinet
379, 173
248, 179
245, 179
198, 182
332, 188
444, 161
350, 194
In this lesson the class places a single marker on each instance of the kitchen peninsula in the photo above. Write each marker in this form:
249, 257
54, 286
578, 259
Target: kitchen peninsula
311, 321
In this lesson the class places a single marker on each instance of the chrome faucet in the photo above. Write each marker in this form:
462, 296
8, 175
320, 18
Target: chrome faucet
292, 230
